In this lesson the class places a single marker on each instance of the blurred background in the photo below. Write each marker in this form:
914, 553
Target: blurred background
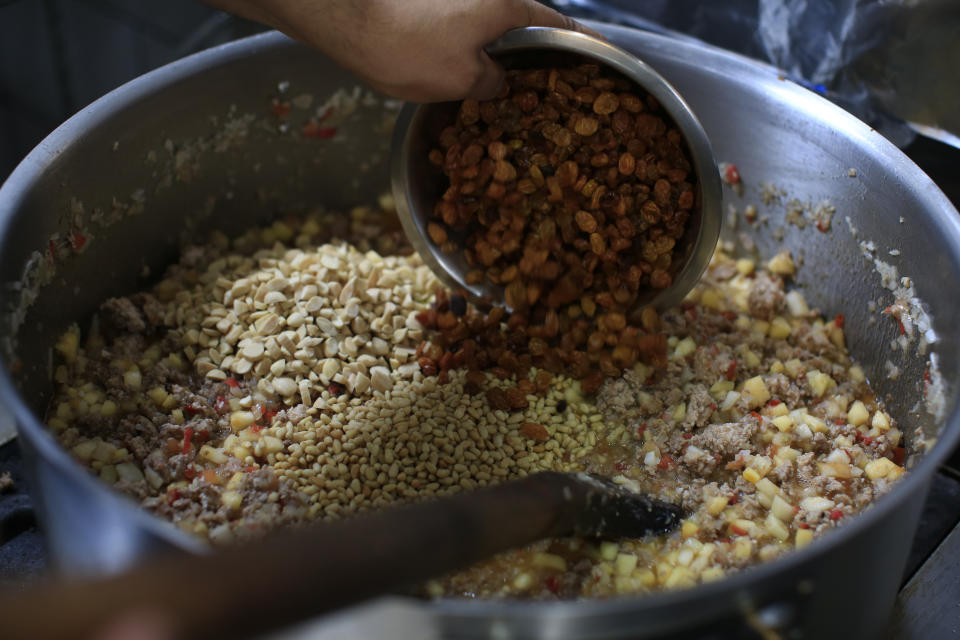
57, 56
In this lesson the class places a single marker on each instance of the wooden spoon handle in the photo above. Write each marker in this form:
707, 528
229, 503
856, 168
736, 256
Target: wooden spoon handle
291, 576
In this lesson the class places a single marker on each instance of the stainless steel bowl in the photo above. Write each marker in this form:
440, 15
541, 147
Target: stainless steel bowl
418, 185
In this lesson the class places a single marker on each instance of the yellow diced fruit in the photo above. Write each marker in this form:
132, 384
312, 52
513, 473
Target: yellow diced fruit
609, 550
550, 561
766, 487
712, 299
647, 578
213, 455
816, 424
689, 529
240, 420
104, 452
761, 327
158, 395
755, 392
793, 368
745, 266
235, 481
132, 378
522, 581
84, 450
803, 538
777, 367
777, 410
108, 408
232, 500
177, 416
680, 577
786, 454
782, 264
780, 328
272, 444
856, 374
129, 472
836, 335
880, 422
751, 475
782, 509
819, 382
751, 359
776, 528
624, 564
881, 468
717, 504
742, 548
680, 412
858, 414
68, 343
783, 423
108, 473
711, 575
720, 389
684, 348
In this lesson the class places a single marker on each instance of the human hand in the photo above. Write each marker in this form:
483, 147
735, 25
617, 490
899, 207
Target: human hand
418, 50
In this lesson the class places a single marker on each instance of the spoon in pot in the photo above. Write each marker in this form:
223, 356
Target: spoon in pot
290, 576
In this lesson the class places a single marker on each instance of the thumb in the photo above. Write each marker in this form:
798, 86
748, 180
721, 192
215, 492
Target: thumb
489, 81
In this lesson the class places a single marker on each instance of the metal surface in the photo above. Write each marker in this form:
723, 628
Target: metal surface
776, 133
418, 185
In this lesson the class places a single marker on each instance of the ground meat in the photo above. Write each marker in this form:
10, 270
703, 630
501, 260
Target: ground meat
700, 406
766, 296
726, 439
121, 315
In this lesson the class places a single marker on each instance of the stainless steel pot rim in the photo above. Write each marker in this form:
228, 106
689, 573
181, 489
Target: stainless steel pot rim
31, 428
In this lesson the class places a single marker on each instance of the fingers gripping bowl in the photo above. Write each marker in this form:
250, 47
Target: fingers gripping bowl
215, 190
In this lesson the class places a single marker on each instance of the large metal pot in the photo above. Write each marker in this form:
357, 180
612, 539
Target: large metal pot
174, 153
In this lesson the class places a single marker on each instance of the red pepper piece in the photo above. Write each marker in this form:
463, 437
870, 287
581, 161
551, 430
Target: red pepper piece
899, 455
836, 514
280, 109
189, 473
666, 462
838, 320
803, 525
620, 466
232, 383
192, 410
187, 437
774, 402
641, 429
78, 240
732, 371
313, 130
732, 174
737, 530
552, 583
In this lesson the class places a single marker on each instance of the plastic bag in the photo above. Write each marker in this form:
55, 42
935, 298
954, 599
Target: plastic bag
892, 63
